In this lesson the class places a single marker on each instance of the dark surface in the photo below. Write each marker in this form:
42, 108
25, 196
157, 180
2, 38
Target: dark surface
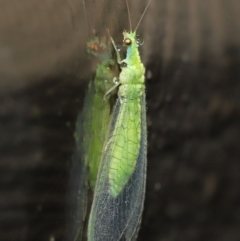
192, 54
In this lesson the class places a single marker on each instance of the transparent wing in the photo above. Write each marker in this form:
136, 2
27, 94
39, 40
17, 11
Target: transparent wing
78, 178
77, 196
114, 219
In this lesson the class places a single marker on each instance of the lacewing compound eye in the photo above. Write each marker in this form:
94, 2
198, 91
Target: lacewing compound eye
127, 41
93, 47
96, 47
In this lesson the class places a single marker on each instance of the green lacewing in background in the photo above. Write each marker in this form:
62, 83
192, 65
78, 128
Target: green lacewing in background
91, 129
120, 189
97, 109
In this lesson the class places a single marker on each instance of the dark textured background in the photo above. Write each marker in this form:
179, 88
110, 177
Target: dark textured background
192, 52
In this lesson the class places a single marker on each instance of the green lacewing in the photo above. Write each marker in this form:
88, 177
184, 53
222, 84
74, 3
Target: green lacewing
120, 189
97, 109
91, 128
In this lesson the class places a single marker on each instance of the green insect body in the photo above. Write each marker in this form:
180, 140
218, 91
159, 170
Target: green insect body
91, 128
127, 133
120, 188
97, 110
